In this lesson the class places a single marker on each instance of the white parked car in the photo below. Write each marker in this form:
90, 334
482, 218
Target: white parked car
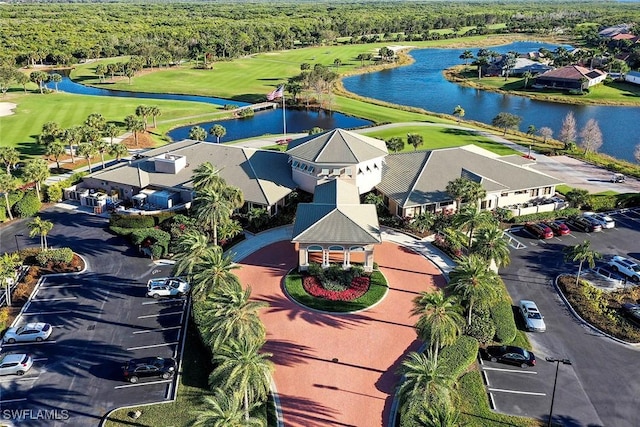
167, 287
534, 321
29, 332
604, 220
15, 364
625, 266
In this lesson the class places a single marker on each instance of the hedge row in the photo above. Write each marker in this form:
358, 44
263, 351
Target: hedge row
602, 202
139, 221
457, 357
27, 206
546, 215
54, 256
158, 239
502, 316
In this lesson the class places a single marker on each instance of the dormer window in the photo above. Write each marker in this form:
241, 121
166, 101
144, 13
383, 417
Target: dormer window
368, 170
295, 164
311, 169
375, 166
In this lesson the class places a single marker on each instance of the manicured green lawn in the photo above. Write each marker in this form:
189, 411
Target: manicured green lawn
441, 137
377, 290
21, 129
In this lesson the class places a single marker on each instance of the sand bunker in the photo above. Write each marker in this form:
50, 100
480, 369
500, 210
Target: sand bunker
6, 108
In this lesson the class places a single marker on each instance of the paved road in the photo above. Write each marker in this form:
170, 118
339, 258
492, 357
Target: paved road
101, 318
602, 369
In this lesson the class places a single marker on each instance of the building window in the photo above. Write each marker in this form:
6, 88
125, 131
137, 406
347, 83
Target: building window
535, 192
504, 194
295, 164
336, 172
520, 192
399, 211
347, 171
324, 172
314, 248
303, 167
311, 169
375, 166
547, 190
359, 171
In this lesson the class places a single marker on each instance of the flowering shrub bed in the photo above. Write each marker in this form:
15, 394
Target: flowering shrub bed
358, 287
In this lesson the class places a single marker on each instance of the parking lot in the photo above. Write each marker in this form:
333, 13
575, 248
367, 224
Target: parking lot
101, 318
595, 389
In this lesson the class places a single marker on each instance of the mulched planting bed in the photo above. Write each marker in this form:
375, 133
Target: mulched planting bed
602, 309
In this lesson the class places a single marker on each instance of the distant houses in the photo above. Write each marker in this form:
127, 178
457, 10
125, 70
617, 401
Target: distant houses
570, 77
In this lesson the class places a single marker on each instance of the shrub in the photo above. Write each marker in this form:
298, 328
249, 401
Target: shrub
505, 324
14, 197
546, 215
4, 318
457, 357
482, 327
121, 231
54, 193
132, 221
54, 256
3, 212
246, 113
602, 202
28, 206
156, 240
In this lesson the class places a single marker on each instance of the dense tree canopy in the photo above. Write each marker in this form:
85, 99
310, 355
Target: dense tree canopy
166, 32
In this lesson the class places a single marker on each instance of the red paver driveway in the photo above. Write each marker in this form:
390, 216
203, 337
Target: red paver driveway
338, 370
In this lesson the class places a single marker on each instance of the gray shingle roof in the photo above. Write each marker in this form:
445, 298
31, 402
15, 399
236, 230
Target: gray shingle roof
337, 146
420, 178
333, 217
263, 176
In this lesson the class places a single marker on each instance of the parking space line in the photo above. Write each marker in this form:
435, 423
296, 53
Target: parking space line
158, 330
13, 400
152, 346
181, 301
530, 393
141, 384
60, 286
19, 379
40, 359
43, 313
160, 314
515, 371
28, 343
53, 299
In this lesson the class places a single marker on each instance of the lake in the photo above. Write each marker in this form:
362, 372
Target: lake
422, 84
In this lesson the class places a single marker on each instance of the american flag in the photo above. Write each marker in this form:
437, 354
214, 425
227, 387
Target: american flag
276, 93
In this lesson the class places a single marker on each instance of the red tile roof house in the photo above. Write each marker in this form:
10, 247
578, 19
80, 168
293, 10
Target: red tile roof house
571, 77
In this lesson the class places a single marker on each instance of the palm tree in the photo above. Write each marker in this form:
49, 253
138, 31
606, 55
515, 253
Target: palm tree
241, 366
7, 185
470, 218
395, 144
9, 156
423, 379
213, 272
111, 131
440, 319
42, 227
207, 176
143, 111
218, 131
134, 125
224, 409
36, 170
423, 222
197, 133
491, 245
154, 110
55, 150
466, 55
55, 78
459, 112
438, 415
211, 209
87, 150
190, 248
458, 189
101, 147
71, 137
8, 264
230, 314
415, 140
96, 121
527, 75
581, 252
474, 282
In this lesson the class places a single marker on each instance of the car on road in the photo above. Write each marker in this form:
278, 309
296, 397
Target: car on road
15, 364
604, 220
29, 332
631, 312
583, 224
510, 354
167, 287
539, 229
625, 266
533, 320
558, 227
147, 367
617, 177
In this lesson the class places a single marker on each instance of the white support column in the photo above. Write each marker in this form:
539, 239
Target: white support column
325, 258
368, 260
303, 258
346, 260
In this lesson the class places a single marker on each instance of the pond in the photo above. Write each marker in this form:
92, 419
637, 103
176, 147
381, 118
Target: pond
263, 123
422, 84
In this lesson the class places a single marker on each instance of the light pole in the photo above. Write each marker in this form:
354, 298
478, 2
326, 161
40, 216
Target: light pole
17, 245
555, 381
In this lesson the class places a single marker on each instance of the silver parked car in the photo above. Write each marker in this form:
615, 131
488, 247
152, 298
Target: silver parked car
15, 364
29, 332
605, 220
534, 321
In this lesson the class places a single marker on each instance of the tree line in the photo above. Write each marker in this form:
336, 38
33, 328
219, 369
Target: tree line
63, 34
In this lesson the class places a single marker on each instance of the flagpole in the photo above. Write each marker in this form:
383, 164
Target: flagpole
284, 118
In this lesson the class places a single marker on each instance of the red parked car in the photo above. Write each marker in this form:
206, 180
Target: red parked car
539, 229
559, 227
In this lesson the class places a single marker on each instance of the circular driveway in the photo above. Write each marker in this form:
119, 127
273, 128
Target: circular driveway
338, 370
